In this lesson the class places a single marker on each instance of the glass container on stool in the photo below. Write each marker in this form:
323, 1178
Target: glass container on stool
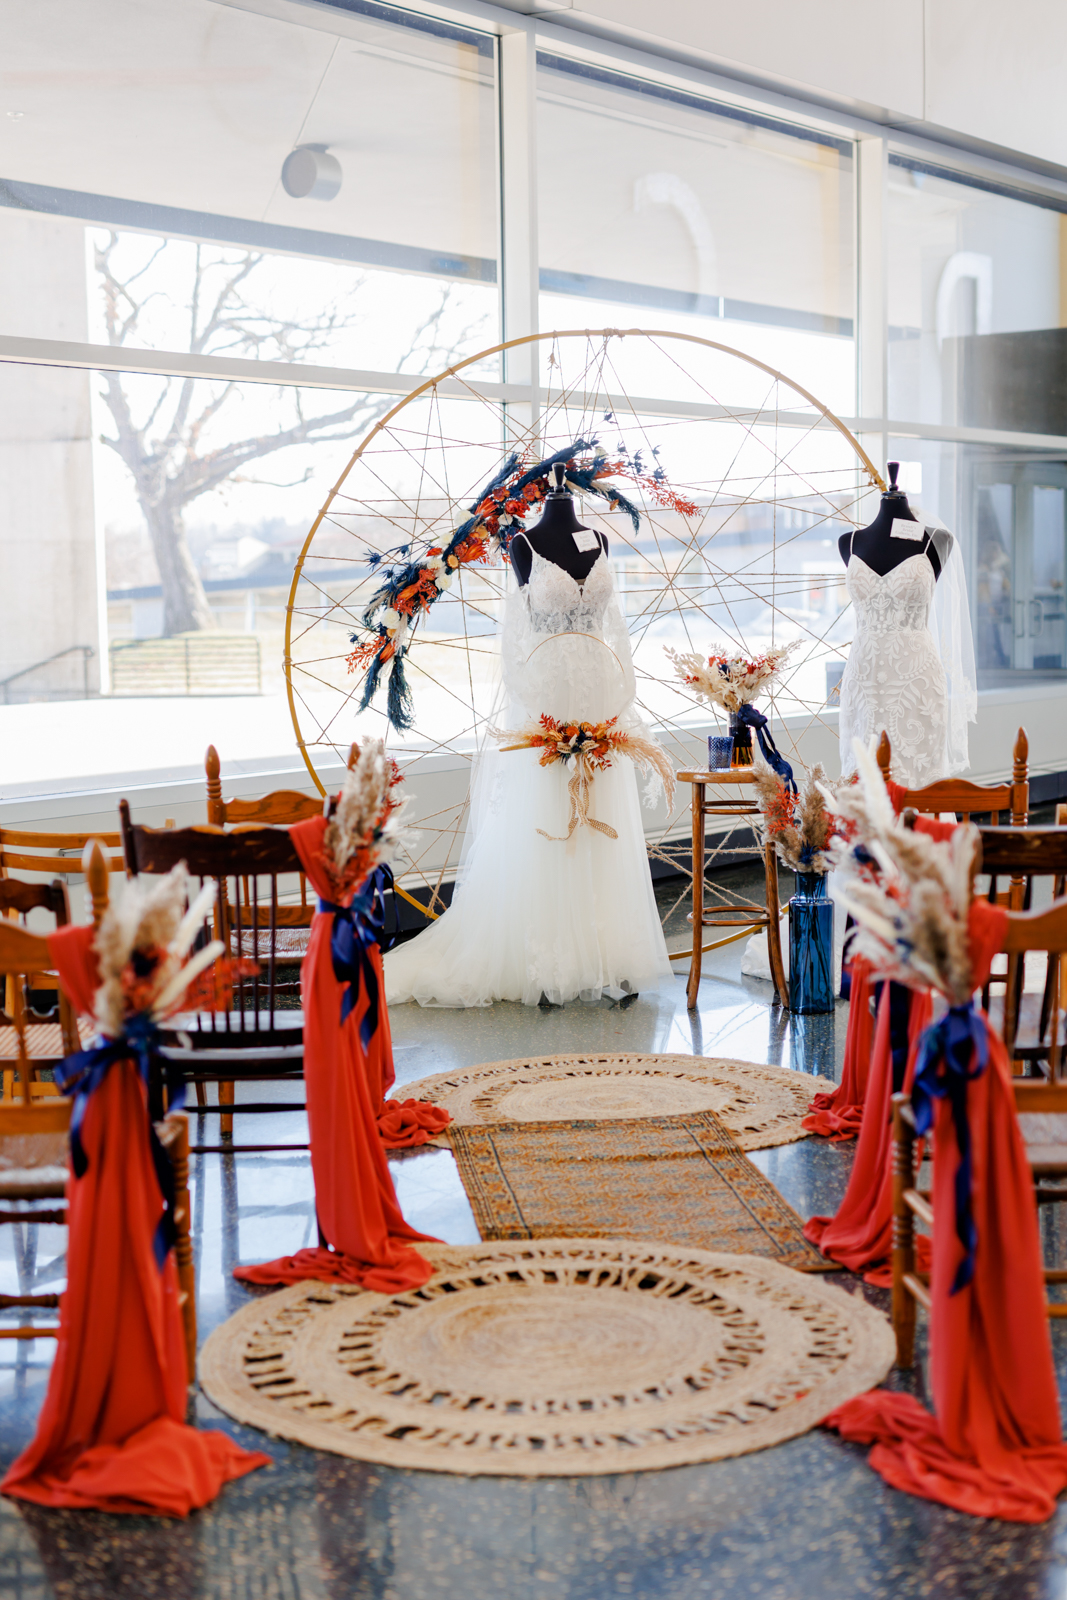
720, 752
742, 737
811, 945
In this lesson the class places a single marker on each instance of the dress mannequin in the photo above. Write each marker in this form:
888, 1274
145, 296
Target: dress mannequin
894, 678
554, 537
541, 911
880, 549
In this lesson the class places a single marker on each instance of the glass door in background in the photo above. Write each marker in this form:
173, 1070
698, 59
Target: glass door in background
1019, 516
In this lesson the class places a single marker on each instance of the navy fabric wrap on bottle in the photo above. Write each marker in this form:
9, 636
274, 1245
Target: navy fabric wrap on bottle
356, 929
749, 717
80, 1076
951, 1053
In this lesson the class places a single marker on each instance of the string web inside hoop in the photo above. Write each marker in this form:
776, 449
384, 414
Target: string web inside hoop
772, 480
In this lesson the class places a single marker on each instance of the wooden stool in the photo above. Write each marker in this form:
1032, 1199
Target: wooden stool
744, 919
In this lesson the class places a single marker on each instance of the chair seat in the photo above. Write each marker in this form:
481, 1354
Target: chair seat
1045, 1137
291, 943
191, 1060
33, 1183
33, 1166
243, 1025
44, 1041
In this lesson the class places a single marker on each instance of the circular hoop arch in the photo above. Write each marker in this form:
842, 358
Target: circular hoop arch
874, 475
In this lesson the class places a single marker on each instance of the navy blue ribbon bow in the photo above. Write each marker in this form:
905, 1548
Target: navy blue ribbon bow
80, 1076
951, 1053
749, 717
356, 929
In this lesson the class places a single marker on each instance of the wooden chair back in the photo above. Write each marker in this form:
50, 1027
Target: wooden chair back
967, 799
44, 1120
250, 913
1026, 931
1018, 856
27, 1045
54, 853
1047, 931
280, 808
277, 809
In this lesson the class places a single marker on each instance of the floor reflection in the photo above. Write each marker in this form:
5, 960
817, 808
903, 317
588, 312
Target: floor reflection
807, 1518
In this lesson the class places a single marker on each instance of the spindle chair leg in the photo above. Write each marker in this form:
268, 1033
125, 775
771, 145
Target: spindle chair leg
226, 1098
175, 1137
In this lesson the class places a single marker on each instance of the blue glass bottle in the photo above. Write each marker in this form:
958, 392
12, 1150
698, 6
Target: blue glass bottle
811, 945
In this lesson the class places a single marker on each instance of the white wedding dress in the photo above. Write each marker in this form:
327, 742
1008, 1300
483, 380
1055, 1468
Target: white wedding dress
530, 915
894, 678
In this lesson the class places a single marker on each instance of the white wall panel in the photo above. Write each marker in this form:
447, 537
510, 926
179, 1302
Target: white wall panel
995, 72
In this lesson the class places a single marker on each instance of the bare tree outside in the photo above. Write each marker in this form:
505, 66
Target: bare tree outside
171, 450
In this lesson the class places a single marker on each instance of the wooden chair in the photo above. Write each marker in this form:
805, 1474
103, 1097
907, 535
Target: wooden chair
50, 856
33, 1144
258, 1036
1046, 1144
968, 799
1022, 856
33, 1045
280, 808
54, 853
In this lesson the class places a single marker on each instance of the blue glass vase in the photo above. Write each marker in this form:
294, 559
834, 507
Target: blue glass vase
811, 945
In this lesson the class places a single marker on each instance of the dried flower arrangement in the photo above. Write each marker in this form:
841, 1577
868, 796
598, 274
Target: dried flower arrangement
727, 680
142, 943
593, 747
365, 829
415, 582
910, 894
800, 826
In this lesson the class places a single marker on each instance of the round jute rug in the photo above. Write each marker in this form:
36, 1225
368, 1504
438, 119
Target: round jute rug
761, 1106
551, 1357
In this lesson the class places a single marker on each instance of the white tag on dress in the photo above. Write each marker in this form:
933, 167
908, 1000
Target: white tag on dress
586, 539
903, 528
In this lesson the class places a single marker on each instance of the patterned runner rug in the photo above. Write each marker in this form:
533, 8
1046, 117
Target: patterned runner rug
761, 1106
680, 1178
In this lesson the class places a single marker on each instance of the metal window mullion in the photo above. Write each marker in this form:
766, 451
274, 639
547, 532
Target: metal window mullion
518, 213
872, 299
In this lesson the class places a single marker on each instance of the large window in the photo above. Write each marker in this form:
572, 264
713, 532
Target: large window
194, 177
195, 195
1008, 508
977, 303
673, 211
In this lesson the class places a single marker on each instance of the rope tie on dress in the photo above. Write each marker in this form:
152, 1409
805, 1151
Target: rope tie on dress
578, 790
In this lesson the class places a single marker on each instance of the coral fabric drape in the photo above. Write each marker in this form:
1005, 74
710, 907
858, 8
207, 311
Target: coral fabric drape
839, 1115
111, 1434
994, 1447
401, 1123
860, 1233
354, 1196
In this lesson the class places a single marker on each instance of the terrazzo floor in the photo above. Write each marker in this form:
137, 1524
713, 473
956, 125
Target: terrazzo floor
807, 1518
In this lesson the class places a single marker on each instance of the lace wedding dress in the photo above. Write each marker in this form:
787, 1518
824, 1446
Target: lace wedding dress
894, 678
531, 915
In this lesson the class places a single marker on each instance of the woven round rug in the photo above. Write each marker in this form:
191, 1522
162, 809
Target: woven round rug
551, 1357
761, 1106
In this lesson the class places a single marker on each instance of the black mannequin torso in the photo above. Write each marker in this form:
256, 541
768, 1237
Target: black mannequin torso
553, 539
876, 546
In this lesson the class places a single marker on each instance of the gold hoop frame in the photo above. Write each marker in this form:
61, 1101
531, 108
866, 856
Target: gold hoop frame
431, 384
